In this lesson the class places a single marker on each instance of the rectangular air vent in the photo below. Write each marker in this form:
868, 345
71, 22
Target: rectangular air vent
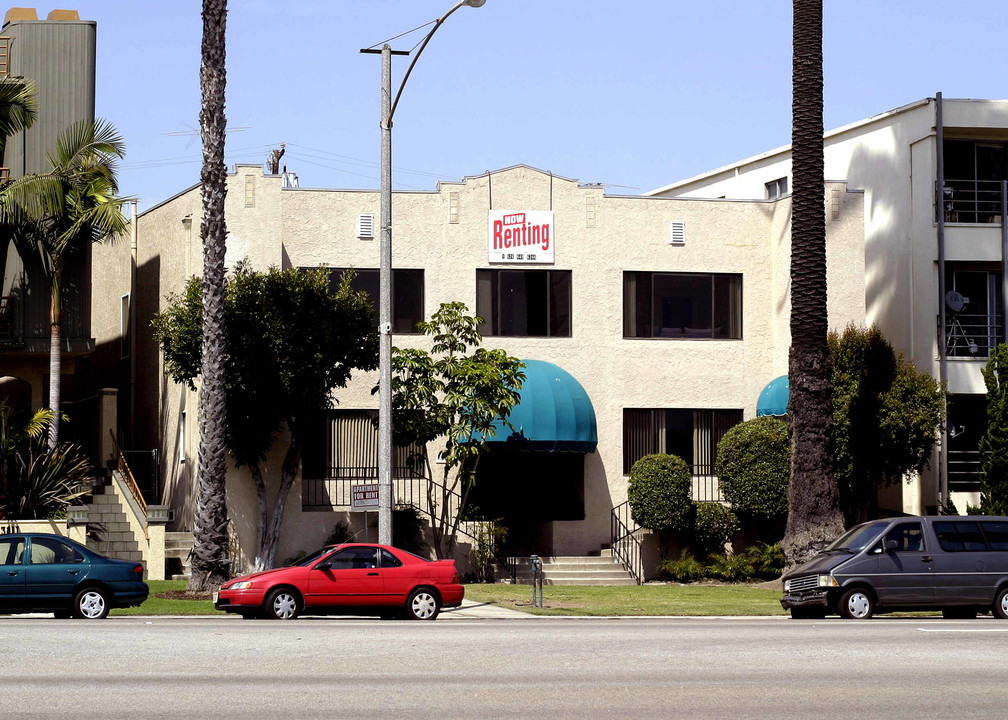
677, 232
365, 227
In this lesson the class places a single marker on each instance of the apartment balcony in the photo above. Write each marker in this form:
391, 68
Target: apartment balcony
972, 336
963, 470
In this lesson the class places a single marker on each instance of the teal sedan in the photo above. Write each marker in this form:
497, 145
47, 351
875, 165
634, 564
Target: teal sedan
50, 573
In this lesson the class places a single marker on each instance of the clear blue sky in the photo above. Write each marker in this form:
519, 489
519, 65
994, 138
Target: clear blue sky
630, 94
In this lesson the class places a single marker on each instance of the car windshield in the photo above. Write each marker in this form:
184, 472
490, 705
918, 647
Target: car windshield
309, 559
859, 537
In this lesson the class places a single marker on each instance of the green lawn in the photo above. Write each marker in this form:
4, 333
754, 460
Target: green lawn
671, 599
558, 600
162, 606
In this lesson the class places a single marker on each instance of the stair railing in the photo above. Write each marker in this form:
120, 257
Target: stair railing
124, 470
626, 546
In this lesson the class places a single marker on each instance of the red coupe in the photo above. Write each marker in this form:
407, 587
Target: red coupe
347, 579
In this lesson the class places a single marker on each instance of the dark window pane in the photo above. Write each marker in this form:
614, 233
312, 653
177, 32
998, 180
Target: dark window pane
560, 304
682, 306
524, 303
728, 306
636, 304
997, 534
486, 301
407, 300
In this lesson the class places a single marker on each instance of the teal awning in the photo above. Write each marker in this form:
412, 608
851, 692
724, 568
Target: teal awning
774, 398
554, 413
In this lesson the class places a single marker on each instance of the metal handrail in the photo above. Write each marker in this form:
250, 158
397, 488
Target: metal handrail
625, 545
973, 334
124, 470
969, 200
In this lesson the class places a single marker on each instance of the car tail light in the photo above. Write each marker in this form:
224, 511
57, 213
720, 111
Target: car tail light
139, 570
455, 578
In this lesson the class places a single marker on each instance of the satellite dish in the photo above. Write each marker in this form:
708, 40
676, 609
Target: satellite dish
955, 301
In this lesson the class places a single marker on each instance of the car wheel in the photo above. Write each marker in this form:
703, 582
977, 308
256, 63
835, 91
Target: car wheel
856, 604
91, 604
959, 613
423, 604
1001, 604
283, 604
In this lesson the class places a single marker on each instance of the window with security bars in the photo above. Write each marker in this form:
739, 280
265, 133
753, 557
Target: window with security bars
344, 452
690, 434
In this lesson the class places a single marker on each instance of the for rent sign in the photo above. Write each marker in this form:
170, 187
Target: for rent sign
364, 497
521, 236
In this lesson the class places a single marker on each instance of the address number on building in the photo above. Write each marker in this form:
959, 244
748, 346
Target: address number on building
364, 497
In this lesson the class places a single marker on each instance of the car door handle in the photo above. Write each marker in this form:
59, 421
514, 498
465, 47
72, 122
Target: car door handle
12, 573
374, 573
73, 572
925, 558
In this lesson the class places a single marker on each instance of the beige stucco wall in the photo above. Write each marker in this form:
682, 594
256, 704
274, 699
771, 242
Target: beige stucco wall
299, 227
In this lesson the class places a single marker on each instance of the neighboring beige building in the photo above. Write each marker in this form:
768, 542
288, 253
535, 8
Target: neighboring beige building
935, 272
671, 314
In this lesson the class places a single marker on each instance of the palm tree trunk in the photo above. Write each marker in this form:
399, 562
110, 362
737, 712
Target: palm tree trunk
55, 352
814, 515
210, 557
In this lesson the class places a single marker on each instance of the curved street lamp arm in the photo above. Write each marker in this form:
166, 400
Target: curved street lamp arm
437, 24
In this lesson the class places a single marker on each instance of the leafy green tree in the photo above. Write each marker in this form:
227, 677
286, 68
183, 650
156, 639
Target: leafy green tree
290, 342
814, 516
54, 213
886, 416
458, 394
660, 499
753, 467
994, 442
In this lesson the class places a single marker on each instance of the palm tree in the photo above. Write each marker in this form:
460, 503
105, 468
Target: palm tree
18, 109
56, 212
814, 515
210, 557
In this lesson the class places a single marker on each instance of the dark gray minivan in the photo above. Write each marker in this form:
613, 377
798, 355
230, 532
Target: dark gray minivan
956, 564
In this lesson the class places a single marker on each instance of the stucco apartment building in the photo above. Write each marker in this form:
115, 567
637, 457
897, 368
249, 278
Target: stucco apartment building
933, 175
671, 314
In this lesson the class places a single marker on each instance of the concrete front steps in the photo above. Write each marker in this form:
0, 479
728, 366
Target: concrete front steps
178, 545
571, 570
110, 532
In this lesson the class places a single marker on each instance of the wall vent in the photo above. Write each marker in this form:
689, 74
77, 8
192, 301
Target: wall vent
677, 232
365, 227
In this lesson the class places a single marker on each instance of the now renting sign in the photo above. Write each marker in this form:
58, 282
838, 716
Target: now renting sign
521, 236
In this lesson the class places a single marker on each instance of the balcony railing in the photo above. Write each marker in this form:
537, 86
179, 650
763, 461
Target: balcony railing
964, 470
972, 335
972, 201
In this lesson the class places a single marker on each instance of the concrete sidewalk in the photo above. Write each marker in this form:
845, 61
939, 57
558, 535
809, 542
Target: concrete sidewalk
470, 610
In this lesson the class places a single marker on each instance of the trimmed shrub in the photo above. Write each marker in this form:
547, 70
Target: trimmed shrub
730, 568
659, 495
714, 527
754, 466
686, 569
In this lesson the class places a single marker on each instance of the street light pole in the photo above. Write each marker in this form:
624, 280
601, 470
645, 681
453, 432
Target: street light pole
385, 275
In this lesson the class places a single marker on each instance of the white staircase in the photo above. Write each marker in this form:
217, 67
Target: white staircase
110, 533
178, 545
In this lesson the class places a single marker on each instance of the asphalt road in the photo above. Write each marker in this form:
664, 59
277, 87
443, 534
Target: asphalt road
490, 668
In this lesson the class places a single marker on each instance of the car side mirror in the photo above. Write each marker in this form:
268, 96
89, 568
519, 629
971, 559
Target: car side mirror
327, 565
891, 545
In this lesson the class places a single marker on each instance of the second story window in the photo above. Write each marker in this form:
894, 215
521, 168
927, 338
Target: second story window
407, 294
524, 303
776, 188
682, 306
974, 170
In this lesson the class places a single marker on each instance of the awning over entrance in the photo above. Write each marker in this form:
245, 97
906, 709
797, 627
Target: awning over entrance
774, 398
554, 413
